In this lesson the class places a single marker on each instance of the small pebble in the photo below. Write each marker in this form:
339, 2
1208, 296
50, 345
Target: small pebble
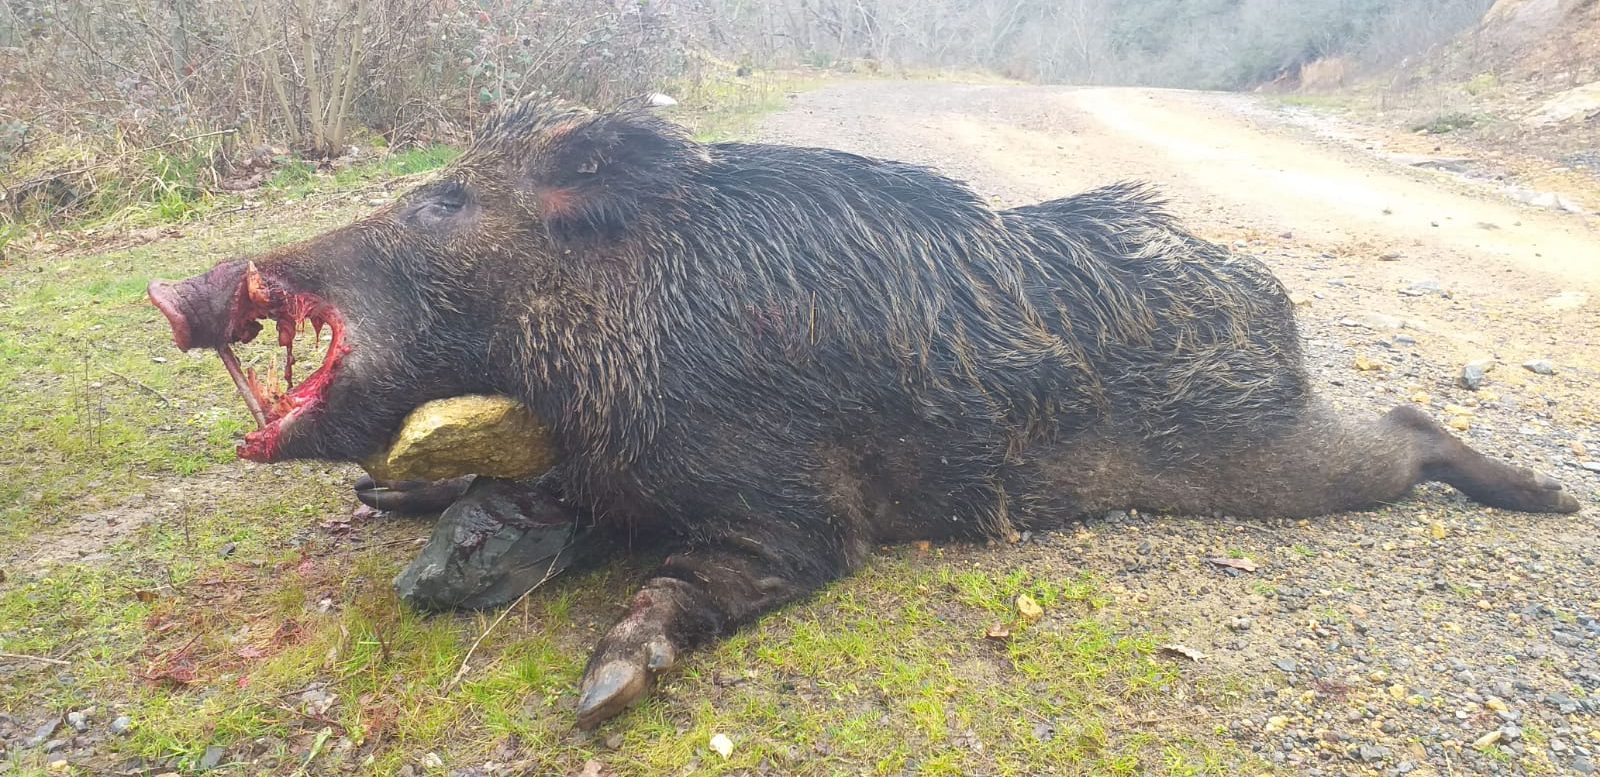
122, 725
212, 757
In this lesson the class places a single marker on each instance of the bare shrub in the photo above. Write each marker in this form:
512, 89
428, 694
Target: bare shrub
129, 83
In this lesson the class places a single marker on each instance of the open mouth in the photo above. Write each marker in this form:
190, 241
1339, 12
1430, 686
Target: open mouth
275, 400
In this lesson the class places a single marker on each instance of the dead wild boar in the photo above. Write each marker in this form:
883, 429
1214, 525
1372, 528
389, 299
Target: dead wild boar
784, 356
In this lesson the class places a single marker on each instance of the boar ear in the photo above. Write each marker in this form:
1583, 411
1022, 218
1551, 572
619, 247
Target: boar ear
597, 174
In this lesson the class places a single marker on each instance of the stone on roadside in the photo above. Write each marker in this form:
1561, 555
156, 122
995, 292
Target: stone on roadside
1539, 367
211, 758
1476, 373
1424, 288
468, 435
1374, 321
42, 733
78, 720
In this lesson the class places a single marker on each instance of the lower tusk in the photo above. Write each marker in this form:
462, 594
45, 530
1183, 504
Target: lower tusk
232, 363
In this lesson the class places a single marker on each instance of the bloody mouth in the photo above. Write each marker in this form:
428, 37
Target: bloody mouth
275, 400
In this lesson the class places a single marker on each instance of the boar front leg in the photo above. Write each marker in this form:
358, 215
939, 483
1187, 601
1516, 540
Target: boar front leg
411, 497
702, 595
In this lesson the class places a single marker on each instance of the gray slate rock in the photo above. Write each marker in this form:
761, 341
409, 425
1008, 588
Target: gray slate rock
212, 757
1475, 374
1425, 287
497, 541
1540, 367
43, 733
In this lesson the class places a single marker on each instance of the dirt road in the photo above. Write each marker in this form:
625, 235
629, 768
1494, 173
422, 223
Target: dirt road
1430, 637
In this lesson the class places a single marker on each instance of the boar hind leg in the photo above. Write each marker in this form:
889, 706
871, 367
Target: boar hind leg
1328, 464
1440, 456
697, 596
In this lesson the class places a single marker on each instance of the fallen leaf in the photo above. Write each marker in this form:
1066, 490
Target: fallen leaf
923, 546
722, 744
1367, 365
1488, 739
1437, 529
1174, 650
1028, 608
998, 632
250, 651
1241, 564
145, 596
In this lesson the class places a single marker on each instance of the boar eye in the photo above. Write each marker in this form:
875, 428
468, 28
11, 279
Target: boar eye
440, 206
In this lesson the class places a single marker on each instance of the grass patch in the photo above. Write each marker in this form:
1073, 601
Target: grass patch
726, 107
1323, 101
1444, 124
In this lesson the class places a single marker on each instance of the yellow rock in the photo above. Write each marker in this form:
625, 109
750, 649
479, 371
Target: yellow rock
1487, 739
470, 435
1421, 398
1460, 423
1366, 365
1457, 410
1397, 692
1496, 705
1275, 724
1437, 529
1028, 608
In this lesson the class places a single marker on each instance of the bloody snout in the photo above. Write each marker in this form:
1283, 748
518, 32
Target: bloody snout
200, 309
